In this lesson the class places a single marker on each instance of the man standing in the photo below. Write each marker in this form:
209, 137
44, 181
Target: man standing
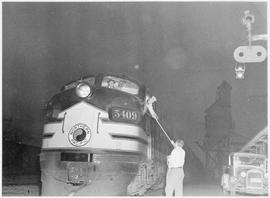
175, 173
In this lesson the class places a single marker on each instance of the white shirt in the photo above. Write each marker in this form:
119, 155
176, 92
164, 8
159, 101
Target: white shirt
177, 158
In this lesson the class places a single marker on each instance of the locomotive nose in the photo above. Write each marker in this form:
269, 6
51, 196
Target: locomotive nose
125, 102
106, 99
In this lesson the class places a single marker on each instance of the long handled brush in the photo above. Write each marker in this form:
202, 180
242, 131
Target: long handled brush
149, 104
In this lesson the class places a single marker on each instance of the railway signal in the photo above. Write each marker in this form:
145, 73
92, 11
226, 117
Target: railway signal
250, 53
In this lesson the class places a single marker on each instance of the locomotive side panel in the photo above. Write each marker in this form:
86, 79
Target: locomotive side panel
152, 172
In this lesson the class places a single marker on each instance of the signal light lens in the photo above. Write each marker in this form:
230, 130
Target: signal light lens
83, 90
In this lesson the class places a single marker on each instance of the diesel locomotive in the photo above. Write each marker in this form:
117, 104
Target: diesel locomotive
99, 139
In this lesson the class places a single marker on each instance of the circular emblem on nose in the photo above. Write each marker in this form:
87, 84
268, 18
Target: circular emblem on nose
79, 134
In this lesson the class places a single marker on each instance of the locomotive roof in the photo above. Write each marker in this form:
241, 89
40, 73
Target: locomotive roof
100, 75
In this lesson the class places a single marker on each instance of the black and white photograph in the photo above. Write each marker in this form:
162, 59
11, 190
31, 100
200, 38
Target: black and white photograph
134, 98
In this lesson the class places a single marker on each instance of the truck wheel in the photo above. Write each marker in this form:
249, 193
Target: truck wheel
232, 193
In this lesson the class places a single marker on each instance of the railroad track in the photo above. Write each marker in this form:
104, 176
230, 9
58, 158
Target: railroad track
20, 190
21, 185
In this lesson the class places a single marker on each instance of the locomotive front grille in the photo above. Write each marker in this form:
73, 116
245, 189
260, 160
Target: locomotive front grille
254, 180
76, 157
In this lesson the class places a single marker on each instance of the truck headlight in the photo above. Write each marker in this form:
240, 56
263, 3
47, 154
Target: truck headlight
243, 174
83, 90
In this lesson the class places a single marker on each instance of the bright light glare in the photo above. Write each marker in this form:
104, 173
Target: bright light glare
83, 90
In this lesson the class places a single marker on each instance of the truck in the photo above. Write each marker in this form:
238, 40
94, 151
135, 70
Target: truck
246, 173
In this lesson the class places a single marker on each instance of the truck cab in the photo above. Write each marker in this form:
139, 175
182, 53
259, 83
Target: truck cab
246, 173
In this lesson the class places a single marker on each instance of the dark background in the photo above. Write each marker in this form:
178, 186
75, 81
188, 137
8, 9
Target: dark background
183, 52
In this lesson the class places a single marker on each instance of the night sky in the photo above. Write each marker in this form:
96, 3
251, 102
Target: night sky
183, 51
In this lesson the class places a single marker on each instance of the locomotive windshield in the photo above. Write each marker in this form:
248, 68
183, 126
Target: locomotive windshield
120, 84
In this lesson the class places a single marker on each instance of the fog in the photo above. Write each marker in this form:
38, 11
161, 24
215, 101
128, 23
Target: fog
181, 51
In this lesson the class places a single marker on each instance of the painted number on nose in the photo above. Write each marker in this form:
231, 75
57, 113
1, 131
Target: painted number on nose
118, 114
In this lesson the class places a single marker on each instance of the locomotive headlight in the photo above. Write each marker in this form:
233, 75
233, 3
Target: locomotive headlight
83, 90
243, 174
